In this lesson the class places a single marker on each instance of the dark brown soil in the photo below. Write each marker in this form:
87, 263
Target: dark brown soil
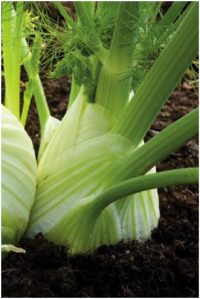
164, 266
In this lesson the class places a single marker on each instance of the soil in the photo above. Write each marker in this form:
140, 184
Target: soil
164, 266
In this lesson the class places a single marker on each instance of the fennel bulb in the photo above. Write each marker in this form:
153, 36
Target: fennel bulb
69, 178
18, 178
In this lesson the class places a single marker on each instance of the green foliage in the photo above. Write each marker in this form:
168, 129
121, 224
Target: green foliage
77, 61
69, 49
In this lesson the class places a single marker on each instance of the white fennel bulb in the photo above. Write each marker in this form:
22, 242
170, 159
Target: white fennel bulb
18, 178
70, 176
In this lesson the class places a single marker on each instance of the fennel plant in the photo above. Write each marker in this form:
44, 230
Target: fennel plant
18, 157
96, 178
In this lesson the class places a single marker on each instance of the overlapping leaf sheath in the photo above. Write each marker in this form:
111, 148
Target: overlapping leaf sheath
18, 178
72, 175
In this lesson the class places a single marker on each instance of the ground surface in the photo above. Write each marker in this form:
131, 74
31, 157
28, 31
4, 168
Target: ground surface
164, 266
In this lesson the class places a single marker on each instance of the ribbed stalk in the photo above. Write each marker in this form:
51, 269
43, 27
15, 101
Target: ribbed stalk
172, 13
161, 80
11, 28
146, 182
114, 82
156, 149
90, 34
38, 91
75, 88
28, 93
69, 21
